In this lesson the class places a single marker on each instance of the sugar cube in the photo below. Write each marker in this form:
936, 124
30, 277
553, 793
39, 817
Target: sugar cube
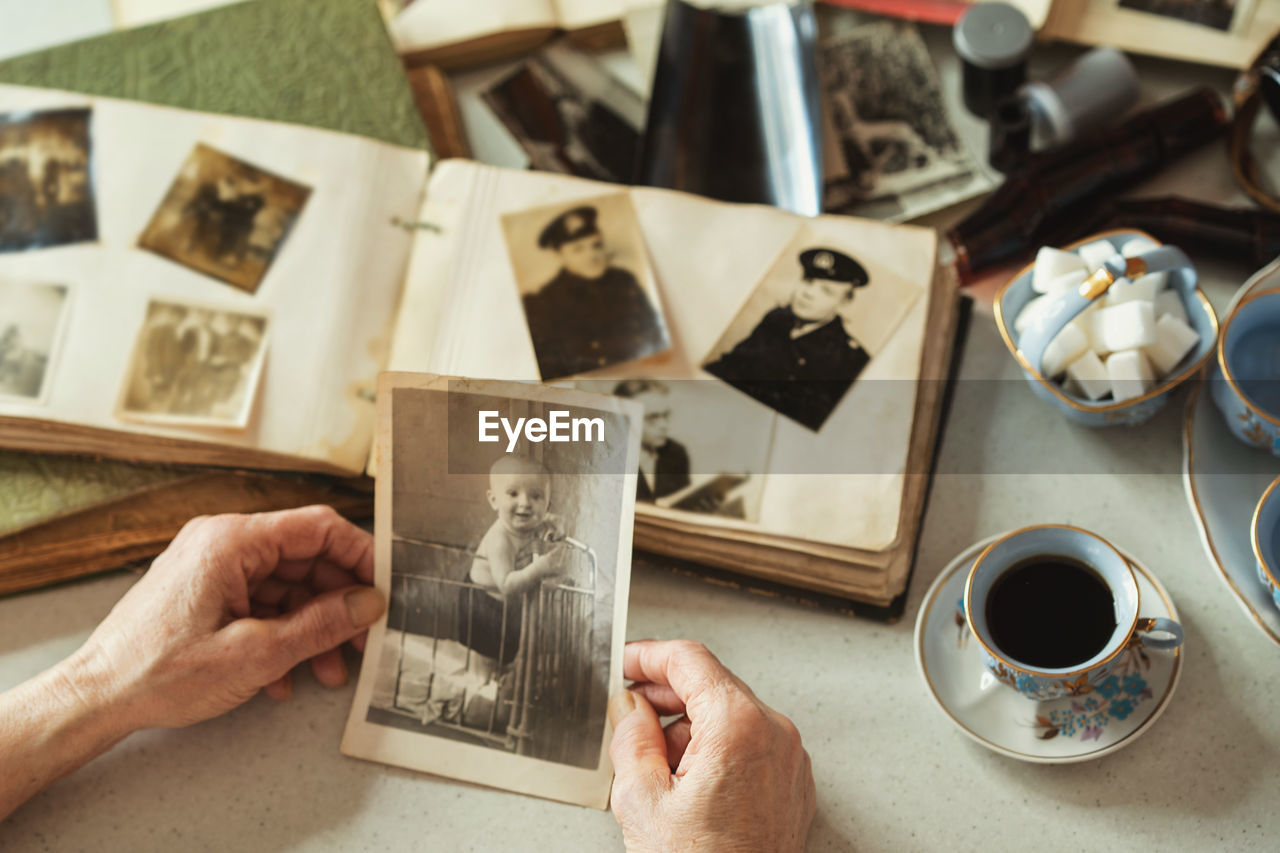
1126, 326
1174, 339
1066, 281
1087, 320
1143, 288
1030, 312
1066, 347
1130, 374
1050, 264
1169, 303
1096, 254
1137, 246
1087, 376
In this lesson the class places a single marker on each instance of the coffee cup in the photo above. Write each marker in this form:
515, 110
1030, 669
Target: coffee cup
1053, 609
1246, 383
1265, 533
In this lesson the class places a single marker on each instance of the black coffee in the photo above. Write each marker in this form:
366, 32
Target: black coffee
1050, 612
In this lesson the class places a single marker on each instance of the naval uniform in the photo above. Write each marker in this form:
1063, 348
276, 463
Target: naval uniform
579, 324
802, 378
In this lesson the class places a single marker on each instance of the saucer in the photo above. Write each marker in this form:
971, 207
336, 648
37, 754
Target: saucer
1224, 479
1061, 731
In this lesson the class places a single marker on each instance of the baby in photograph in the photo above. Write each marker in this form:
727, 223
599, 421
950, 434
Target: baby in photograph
522, 548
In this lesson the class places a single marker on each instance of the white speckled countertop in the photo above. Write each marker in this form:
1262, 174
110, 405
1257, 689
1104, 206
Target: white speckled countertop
892, 772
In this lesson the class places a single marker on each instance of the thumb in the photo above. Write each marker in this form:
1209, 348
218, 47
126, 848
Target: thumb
638, 749
323, 623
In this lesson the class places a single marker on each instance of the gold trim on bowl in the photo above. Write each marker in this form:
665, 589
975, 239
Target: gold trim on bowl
1070, 758
1222, 355
1188, 437
1167, 385
1021, 667
1270, 571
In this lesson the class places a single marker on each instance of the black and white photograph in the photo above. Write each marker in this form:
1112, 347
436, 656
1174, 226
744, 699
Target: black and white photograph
809, 328
506, 561
32, 316
1216, 14
891, 151
569, 115
46, 179
194, 364
225, 218
589, 296
703, 447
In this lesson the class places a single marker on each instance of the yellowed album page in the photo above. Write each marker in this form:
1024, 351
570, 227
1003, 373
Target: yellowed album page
428, 24
462, 315
199, 276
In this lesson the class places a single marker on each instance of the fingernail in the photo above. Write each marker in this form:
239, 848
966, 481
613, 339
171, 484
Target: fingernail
364, 606
620, 705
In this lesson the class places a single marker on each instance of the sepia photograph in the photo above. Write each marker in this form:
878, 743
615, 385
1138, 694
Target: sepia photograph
225, 218
703, 447
891, 151
506, 561
588, 290
32, 317
809, 328
1208, 13
569, 116
46, 180
194, 364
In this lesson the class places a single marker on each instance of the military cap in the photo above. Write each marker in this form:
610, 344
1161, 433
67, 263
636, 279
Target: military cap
831, 265
570, 225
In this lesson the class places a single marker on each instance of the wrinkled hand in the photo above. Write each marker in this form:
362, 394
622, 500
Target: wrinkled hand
230, 607
729, 775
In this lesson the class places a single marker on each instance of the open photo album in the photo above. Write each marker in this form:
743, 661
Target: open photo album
203, 289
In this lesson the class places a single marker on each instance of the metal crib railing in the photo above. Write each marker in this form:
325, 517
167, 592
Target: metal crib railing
552, 662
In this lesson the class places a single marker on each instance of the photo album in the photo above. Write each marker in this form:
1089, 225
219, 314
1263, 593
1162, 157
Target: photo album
181, 292
506, 561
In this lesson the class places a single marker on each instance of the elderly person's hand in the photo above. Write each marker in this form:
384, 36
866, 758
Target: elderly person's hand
231, 606
730, 774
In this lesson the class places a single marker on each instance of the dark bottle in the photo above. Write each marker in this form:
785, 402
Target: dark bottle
1073, 181
1232, 234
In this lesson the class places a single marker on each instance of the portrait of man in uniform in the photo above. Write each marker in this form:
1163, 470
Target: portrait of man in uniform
799, 359
584, 307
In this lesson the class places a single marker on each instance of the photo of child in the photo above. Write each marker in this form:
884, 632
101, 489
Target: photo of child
504, 563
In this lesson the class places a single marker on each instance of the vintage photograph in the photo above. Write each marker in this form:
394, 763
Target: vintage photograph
31, 320
46, 180
1209, 13
194, 364
589, 295
569, 116
225, 218
809, 328
891, 152
506, 563
703, 447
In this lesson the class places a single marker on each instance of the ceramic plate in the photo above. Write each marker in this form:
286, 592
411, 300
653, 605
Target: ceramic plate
1224, 479
1074, 728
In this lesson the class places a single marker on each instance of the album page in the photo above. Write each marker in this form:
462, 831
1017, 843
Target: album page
427, 24
504, 549
181, 275
719, 279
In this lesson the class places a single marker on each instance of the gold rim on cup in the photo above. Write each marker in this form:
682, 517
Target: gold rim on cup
1167, 385
1271, 571
1222, 355
1133, 626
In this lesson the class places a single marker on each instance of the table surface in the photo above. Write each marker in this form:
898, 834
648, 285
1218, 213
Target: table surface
892, 772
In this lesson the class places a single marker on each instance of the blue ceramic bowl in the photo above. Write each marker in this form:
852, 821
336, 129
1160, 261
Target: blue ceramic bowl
1265, 532
1014, 296
1246, 384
